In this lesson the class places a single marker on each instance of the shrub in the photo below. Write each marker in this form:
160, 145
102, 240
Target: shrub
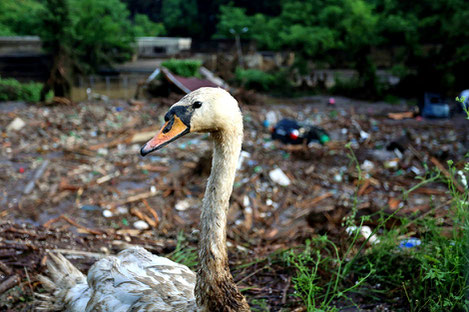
185, 68
13, 90
262, 81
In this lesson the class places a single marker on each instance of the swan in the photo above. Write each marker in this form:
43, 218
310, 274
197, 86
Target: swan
136, 280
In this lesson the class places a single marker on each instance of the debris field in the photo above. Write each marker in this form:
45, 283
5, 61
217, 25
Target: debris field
72, 179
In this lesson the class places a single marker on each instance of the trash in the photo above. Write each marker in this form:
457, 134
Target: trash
270, 119
16, 124
90, 208
411, 242
21, 170
367, 165
400, 116
331, 101
279, 177
107, 213
141, 225
391, 164
183, 205
289, 131
365, 231
243, 155
433, 106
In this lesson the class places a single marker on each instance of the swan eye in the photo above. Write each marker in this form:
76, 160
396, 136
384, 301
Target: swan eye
197, 104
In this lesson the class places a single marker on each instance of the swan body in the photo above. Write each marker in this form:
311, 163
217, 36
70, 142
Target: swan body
136, 280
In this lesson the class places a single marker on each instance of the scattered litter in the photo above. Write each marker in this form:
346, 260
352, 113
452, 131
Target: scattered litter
279, 177
365, 231
107, 213
16, 124
90, 208
290, 131
243, 155
367, 165
183, 205
141, 225
411, 242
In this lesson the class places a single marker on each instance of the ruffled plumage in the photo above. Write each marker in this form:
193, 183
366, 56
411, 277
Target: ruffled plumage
134, 280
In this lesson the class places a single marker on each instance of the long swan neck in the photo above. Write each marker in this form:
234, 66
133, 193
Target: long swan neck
215, 287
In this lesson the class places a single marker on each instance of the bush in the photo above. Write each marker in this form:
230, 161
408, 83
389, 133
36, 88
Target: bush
13, 90
185, 68
261, 81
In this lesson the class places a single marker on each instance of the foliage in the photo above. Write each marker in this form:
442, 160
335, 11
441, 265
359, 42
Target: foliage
102, 33
183, 253
20, 17
430, 277
180, 17
143, 27
185, 68
261, 81
13, 90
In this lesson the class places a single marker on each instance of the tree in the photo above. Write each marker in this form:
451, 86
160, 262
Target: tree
180, 17
143, 26
102, 33
56, 39
20, 17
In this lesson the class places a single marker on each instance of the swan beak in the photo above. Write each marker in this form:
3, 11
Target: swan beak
172, 130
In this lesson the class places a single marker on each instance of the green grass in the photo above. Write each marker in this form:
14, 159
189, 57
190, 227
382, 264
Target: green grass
430, 277
183, 253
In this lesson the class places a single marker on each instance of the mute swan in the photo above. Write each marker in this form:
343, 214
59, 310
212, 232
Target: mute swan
135, 279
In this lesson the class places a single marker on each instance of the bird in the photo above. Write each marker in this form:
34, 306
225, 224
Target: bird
137, 280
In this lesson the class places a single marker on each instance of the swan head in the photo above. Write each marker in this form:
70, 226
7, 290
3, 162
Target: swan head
203, 110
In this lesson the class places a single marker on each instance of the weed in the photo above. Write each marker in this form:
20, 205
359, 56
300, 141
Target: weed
183, 253
430, 277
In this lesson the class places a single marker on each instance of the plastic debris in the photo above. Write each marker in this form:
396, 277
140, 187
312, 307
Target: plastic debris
411, 242
141, 225
365, 231
367, 165
289, 131
90, 208
183, 205
107, 213
16, 124
244, 155
279, 177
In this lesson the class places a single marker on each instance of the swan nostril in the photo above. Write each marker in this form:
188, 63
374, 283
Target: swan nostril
168, 126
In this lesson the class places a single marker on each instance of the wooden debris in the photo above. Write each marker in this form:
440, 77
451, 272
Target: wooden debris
72, 222
5, 269
9, 282
400, 116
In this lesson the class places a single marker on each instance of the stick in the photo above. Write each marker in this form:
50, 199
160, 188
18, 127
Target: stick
151, 211
39, 172
8, 283
6, 269
79, 253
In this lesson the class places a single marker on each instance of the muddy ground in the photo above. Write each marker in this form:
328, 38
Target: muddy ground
90, 193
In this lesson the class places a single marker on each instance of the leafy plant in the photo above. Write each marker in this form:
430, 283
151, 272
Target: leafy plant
185, 68
13, 90
184, 254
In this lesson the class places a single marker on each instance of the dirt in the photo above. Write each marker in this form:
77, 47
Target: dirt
95, 186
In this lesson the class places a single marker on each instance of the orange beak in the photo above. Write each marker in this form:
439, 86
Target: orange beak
172, 130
